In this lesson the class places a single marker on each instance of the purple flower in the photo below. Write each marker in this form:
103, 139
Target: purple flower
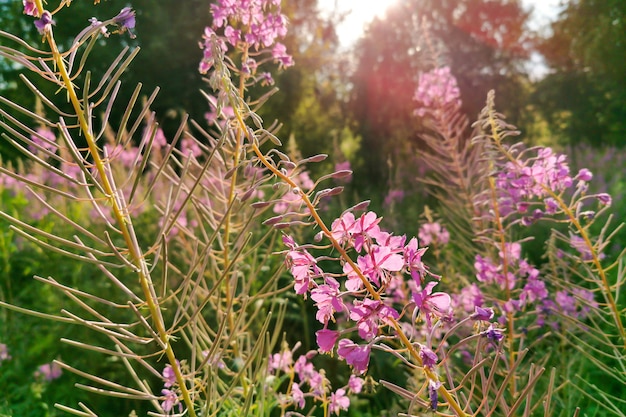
429, 358
437, 304
125, 20
169, 376
493, 333
44, 24
484, 314
604, 199
356, 355
433, 386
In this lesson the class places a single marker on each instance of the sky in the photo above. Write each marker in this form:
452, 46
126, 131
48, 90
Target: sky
361, 12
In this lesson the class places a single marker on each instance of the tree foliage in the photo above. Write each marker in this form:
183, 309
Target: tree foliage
483, 41
582, 99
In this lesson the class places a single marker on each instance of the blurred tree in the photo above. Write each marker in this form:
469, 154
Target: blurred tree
169, 33
583, 98
483, 41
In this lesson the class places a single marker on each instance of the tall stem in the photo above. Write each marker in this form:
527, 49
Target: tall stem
123, 221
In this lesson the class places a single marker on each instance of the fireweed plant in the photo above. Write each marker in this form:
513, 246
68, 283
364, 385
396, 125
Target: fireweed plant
197, 299
491, 191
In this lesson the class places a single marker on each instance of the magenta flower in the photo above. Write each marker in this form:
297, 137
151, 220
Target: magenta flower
125, 20
358, 356
374, 266
280, 55
413, 260
338, 401
484, 314
326, 339
355, 384
304, 368
368, 314
493, 333
304, 268
30, 8
365, 229
437, 304
328, 300
282, 361
341, 228
169, 376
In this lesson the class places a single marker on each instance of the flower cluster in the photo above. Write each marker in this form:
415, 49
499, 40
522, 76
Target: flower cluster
257, 24
366, 291
307, 382
433, 232
436, 89
523, 280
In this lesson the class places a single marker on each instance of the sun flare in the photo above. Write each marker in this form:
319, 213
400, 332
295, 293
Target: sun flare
358, 14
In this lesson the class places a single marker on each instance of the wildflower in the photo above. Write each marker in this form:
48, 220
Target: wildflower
338, 401
433, 386
436, 89
429, 358
304, 268
433, 232
297, 395
413, 260
328, 300
4, 353
326, 339
30, 8
484, 314
374, 266
282, 361
280, 55
493, 333
103, 29
44, 24
170, 400
355, 384
49, 371
356, 355
169, 375
368, 313
437, 304
125, 20
604, 199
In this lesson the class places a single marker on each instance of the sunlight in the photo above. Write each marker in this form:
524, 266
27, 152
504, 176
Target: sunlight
359, 14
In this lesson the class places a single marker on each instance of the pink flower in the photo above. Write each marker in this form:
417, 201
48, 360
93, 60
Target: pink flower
170, 400
328, 300
365, 229
355, 384
282, 361
341, 228
413, 260
436, 89
4, 353
374, 266
358, 356
338, 401
44, 24
368, 313
169, 376
49, 371
297, 395
437, 304
30, 8
304, 268
326, 339
433, 232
